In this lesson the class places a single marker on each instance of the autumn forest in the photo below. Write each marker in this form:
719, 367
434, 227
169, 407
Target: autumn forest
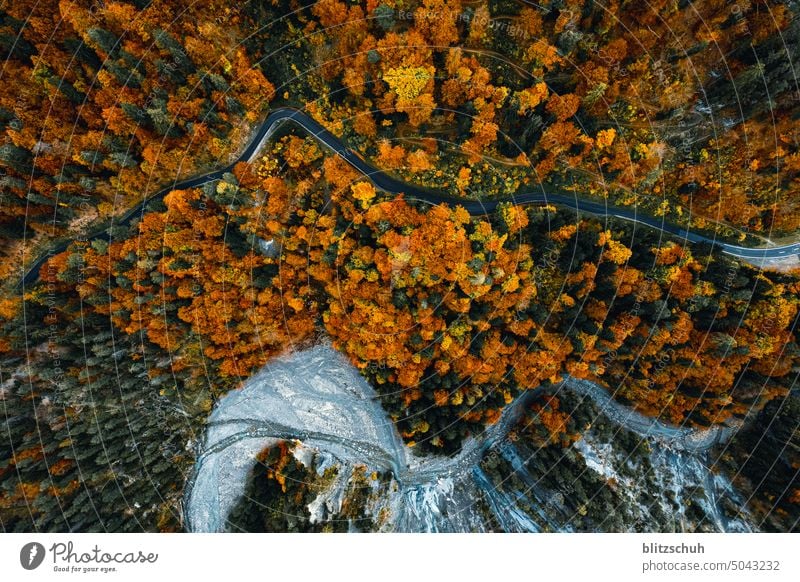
149, 303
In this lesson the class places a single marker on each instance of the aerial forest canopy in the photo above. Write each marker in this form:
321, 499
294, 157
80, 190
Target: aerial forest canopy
686, 111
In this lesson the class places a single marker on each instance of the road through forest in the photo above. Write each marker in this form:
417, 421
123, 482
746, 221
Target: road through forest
389, 184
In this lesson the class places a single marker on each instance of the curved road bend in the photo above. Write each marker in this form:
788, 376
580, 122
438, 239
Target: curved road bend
394, 186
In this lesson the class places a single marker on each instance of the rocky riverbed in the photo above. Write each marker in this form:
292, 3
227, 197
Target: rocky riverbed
316, 399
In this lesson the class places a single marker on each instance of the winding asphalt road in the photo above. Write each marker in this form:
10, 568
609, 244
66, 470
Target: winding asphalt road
393, 186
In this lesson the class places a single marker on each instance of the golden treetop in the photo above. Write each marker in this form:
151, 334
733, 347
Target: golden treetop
408, 82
